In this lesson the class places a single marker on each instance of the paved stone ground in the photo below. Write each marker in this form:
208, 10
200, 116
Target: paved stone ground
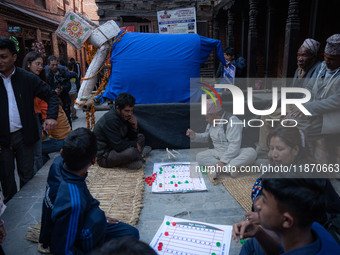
214, 206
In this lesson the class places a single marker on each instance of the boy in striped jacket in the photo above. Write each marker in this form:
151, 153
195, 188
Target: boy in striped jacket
72, 222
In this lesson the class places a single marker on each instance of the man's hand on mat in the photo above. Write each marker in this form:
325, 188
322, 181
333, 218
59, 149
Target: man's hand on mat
112, 220
133, 122
190, 133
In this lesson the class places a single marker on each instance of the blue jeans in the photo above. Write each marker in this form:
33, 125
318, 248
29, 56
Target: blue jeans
50, 145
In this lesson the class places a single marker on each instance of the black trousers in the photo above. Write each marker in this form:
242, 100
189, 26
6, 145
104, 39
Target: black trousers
24, 156
114, 158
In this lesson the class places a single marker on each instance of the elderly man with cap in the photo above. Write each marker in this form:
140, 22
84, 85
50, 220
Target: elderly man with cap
229, 149
307, 63
325, 89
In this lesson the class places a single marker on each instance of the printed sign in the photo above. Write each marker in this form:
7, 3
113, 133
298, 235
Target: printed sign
180, 21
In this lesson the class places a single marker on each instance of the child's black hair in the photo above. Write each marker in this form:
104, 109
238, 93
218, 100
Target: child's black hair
230, 51
125, 246
303, 198
79, 149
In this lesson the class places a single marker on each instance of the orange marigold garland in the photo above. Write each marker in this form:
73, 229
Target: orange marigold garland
90, 118
91, 51
103, 83
93, 118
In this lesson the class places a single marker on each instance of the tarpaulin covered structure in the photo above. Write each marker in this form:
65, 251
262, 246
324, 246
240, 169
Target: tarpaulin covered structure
156, 68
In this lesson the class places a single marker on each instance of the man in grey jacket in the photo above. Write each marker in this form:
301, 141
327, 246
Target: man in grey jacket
325, 89
228, 151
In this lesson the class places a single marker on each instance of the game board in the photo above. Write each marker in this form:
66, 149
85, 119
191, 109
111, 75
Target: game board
185, 237
177, 177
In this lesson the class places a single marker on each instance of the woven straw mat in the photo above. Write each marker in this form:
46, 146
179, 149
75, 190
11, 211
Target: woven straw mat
240, 187
120, 192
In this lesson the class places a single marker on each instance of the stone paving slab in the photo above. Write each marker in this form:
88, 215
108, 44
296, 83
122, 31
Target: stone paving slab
23, 211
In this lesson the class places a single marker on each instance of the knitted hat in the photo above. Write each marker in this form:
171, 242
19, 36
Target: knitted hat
333, 45
311, 45
212, 107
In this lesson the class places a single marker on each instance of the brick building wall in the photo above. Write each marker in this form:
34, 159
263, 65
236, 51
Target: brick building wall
37, 20
90, 10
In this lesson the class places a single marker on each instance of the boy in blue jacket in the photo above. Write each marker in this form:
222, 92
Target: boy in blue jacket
72, 222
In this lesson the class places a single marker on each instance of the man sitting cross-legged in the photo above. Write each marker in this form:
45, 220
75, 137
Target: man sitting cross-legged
229, 145
119, 143
72, 222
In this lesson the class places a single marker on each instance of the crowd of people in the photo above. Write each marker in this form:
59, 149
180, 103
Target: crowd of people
33, 119
291, 214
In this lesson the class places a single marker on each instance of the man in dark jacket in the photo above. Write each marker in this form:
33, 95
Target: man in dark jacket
59, 81
18, 126
72, 222
119, 143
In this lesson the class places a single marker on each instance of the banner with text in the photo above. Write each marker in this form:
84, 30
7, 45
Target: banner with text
180, 21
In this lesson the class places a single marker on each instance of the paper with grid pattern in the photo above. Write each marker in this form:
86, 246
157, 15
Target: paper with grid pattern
185, 237
177, 177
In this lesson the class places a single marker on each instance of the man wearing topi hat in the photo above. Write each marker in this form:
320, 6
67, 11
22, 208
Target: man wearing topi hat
325, 89
307, 63
228, 149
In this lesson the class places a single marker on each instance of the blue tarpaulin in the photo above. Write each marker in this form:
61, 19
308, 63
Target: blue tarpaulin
156, 68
